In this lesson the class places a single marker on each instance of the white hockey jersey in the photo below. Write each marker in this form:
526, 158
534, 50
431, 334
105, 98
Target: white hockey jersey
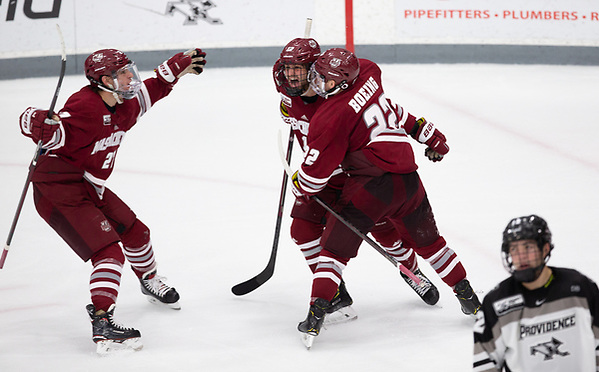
553, 328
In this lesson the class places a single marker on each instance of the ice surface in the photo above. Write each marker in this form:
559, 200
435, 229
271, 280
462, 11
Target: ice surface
201, 169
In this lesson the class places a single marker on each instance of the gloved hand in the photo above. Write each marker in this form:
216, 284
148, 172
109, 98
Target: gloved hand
432, 155
295, 187
192, 61
425, 132
36, 125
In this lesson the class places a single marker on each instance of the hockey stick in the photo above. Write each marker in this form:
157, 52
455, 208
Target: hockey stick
255, 282
350, 226
38, 152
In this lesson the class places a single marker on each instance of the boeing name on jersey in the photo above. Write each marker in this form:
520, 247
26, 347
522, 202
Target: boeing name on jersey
363, 95
113, 140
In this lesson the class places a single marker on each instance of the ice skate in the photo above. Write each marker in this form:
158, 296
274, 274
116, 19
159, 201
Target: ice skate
110, 336
427, 291
157, 292
468, 299
340, 310
310, 327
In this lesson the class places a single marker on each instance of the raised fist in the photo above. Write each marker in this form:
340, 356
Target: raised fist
192, 61
36, 125
425, 132
432, 155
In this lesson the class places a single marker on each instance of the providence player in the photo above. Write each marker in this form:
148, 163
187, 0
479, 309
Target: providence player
541, 318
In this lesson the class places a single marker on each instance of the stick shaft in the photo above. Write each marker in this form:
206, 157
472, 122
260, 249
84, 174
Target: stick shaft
37, 153
308, 28
255, 282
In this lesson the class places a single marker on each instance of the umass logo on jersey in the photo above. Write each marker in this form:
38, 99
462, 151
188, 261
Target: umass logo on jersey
549, 349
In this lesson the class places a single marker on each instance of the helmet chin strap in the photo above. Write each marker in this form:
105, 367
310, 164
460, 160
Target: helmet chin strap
109, 89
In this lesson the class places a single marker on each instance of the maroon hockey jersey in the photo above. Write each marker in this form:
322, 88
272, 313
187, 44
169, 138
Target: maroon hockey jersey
93, 133
358, 123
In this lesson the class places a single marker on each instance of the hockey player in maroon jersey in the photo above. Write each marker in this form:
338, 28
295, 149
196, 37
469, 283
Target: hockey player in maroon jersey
298, 104
81, 144
357, 127
541, 318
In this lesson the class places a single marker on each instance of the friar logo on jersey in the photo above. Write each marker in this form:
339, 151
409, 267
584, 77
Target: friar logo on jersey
548, 349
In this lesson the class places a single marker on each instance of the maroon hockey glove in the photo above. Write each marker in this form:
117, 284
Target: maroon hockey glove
36, 125
180, 64
425, 132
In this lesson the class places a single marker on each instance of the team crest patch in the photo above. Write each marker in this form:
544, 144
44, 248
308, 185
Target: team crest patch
106, 119
549, 349
105, 226
506, 305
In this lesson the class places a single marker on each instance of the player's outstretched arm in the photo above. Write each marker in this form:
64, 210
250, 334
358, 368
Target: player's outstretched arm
181, 64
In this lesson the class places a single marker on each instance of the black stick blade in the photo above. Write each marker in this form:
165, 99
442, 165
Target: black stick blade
252, 284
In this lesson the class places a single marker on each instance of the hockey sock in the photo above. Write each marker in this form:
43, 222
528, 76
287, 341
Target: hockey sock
405, 256
105, 278
445, 262
306, 234
138, 248
327, 276
311, 250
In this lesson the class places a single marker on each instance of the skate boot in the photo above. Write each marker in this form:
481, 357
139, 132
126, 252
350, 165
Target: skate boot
426, 289
468, 299
340, 309
310, 327
111, 336
157, 292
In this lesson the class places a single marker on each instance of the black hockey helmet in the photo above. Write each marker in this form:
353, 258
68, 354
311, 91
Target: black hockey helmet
521, 228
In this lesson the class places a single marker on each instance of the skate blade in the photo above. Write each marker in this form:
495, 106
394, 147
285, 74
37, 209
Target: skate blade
308, 340
174, 305
111, 347
343, 315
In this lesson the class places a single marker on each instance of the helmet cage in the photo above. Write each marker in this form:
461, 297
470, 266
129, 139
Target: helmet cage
298, 52
300, 80
522, 228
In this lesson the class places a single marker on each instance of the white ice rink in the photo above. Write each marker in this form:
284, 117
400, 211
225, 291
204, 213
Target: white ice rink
201, 169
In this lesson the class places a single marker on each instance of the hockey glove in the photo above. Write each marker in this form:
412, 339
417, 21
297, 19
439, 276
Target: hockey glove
295, 187
432, 155
181, 64
425, 132
36, 125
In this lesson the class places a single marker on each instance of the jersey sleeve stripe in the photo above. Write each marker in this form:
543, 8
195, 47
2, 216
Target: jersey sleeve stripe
143, 97
311, 184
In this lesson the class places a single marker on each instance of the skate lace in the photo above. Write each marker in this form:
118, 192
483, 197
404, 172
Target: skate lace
156, 285
421, 288
116, 324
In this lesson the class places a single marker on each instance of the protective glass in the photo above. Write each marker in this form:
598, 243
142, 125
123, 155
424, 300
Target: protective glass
127, 82
317, 82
